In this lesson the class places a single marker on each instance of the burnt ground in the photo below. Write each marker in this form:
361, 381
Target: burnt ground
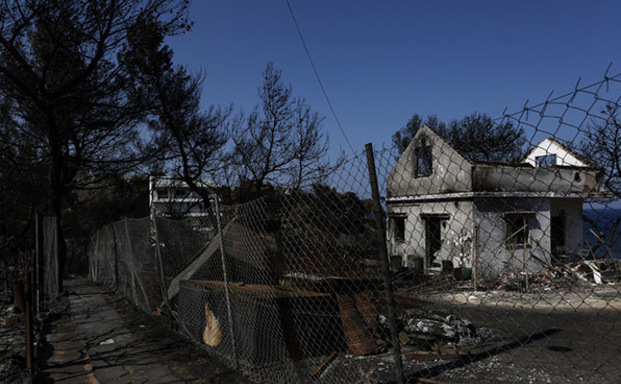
559, 336
562, 336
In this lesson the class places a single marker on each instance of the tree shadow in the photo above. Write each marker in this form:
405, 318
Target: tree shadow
473, 358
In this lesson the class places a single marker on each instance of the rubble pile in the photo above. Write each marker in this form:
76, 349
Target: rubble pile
559, 276
442, 326
432, 329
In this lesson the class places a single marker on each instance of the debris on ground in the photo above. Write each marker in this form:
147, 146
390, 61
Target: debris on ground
558, 276
440, 331
442, 326
12, 346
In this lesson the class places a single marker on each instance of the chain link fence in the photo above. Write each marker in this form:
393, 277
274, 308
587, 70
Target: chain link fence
29, 281
474, 271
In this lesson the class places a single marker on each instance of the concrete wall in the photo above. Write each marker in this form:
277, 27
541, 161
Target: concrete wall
493, 256
488, 178
451, 172
456, 232
482, 224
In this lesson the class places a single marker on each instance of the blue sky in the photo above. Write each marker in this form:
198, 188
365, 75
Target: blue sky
381, 62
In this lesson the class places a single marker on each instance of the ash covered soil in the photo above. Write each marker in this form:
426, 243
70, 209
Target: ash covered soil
569, 335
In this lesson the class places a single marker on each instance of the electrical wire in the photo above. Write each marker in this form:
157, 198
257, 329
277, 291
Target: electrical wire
323, 90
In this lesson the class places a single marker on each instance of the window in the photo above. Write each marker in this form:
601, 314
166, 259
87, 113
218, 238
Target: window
398, 226
516, 230
180, 209
162, 193
181, 193
423, 160
546, 161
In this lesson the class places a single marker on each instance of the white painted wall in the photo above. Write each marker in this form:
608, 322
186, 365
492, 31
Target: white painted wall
455, 233
493, 256
551, 147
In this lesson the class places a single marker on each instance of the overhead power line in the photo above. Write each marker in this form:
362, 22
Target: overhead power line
323, 90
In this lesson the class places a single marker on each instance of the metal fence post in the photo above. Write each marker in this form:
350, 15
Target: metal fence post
28, 321
130, 256
227, 292
116, 258
381, 237
38, 305
158, 254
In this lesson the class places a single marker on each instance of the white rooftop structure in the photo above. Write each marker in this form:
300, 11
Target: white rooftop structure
551, 153
170, 197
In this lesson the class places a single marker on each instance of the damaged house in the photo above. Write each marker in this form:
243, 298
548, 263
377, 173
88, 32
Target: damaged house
447, 212
173, 198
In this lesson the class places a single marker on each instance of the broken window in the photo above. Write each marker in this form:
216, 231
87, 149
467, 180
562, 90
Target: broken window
398, 225
516, 230
423, 160
546, 161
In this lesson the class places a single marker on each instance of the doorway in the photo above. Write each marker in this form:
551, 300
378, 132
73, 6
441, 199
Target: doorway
557, 236
433, 242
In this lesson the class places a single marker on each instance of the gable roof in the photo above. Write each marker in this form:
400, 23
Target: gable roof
550, 146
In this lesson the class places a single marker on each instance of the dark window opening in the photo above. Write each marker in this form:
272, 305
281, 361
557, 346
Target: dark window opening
162, 194
546, 161
424, 160
399, 228
516, 230
557, 235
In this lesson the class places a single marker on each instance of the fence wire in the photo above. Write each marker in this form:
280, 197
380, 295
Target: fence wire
500, 271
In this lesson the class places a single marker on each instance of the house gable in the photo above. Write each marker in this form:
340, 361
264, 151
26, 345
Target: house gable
550, 152
429, 165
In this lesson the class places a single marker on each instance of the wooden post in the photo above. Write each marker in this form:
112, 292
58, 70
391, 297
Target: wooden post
475, 258
28, 315
525, 257
381, 237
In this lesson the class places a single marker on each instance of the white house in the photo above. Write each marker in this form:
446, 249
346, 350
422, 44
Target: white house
550, 153
447, 212
169, 197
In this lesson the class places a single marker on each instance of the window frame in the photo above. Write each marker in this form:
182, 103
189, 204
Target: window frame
424, 159
544, 160
398, 225
516, 235
162, 194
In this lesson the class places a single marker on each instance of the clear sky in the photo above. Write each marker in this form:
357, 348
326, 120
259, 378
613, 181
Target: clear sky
382, 61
